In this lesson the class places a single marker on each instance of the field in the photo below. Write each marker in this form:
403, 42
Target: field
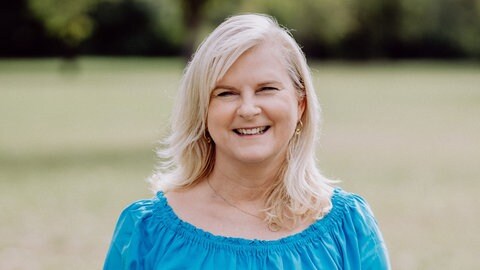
77, 143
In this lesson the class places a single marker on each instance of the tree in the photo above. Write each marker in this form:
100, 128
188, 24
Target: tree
192, 19
67, 20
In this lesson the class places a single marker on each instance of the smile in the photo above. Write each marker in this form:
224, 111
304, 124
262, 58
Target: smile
251, 131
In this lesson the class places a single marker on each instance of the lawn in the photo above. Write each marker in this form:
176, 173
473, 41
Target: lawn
77, 143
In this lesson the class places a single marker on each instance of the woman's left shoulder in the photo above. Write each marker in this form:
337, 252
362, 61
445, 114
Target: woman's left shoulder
360, 227
351, 203
354, 213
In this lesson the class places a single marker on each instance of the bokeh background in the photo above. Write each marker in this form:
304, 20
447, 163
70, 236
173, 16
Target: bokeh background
86, 88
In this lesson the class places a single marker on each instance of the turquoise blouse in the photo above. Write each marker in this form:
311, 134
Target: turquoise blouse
149, 235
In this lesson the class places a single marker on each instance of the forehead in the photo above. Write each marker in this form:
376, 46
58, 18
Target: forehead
263, 61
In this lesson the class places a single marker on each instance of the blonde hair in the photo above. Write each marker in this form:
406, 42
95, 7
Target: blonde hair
187, 157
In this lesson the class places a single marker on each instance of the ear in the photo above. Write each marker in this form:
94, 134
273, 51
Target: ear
302, 103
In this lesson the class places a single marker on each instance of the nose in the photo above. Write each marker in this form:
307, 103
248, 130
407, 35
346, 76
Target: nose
248, 107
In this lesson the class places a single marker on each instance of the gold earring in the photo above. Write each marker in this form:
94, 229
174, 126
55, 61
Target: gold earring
299, 128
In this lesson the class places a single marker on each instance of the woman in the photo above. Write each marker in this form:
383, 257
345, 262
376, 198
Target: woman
238, 187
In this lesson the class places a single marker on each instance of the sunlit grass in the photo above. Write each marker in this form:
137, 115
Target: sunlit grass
76, 146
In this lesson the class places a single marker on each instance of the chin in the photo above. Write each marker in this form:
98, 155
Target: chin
257, 158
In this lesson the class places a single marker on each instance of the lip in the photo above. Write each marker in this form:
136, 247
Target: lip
263, 129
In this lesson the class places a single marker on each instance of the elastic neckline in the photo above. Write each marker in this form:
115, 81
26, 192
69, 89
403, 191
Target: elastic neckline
170, 219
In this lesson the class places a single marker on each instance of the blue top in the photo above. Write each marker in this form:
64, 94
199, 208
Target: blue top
149, 235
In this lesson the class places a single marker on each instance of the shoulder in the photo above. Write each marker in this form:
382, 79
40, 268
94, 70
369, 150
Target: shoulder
355, 212
142, 218
136, 225
351, 203
352, 219
359, 230
139, 210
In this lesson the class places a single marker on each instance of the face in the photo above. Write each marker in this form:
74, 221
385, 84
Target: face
254, 109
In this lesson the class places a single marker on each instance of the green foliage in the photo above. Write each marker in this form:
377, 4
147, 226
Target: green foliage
66, 19
168, 18
327, 21
457, 22
327, 28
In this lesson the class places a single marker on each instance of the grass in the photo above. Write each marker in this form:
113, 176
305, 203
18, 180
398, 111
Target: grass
76, 144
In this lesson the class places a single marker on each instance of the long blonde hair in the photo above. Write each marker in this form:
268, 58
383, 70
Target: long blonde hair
186, 157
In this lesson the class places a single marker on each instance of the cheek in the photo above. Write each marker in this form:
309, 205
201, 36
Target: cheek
217, 115
290, 110
211, 120
285, 116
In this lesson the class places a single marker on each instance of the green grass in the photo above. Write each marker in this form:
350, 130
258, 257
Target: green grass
76, 144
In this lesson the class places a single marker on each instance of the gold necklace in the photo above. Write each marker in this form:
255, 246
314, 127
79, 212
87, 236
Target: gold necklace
230, 203
273, 227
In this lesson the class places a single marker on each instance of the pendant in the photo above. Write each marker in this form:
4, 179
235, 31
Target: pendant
274, 227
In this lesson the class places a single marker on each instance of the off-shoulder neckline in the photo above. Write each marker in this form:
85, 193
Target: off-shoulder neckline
170, 219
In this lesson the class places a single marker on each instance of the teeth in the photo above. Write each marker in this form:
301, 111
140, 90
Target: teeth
251, 131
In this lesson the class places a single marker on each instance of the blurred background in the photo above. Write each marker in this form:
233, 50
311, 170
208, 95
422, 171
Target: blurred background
393, 29
86, 89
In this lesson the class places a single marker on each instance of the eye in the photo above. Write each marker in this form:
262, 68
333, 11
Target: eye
225, 94
268, 88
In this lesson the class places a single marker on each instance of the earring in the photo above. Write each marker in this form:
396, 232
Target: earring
207, 137
299, 128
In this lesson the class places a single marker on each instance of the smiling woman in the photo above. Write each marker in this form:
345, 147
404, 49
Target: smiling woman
254, 111
238, 186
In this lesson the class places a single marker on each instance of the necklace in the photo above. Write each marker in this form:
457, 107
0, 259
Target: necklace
230, 203
273, 227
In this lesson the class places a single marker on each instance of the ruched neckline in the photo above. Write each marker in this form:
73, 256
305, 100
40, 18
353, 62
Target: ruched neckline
169, 218
149, 235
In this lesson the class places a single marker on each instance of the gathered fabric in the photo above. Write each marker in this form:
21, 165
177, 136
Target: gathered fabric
149, 235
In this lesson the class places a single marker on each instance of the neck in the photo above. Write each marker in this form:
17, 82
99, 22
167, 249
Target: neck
239, 189
243, 183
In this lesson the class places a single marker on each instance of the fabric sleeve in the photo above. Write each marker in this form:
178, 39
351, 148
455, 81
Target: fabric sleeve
371, 246
127, 242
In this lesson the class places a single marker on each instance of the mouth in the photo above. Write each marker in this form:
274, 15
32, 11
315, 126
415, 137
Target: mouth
251, 131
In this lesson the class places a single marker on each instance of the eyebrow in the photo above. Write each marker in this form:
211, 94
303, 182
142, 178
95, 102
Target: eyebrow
227, 87
223, 87
269, 82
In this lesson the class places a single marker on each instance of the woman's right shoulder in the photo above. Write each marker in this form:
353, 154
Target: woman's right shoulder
138, 222
142, 210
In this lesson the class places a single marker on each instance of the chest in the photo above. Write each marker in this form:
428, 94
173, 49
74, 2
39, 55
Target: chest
218, 218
